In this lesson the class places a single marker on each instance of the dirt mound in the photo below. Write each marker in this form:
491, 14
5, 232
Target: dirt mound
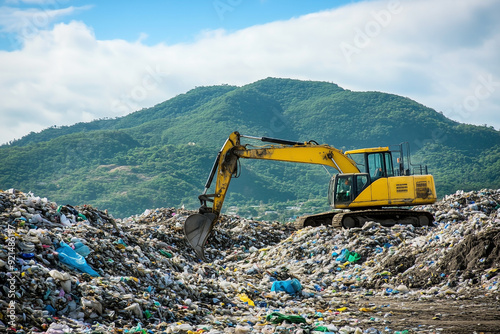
477, 252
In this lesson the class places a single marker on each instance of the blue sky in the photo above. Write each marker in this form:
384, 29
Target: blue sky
178, 21
69, 61
168, 21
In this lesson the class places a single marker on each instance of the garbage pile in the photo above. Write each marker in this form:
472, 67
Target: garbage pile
66, 269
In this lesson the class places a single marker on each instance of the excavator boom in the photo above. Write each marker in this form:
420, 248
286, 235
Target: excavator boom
197, 227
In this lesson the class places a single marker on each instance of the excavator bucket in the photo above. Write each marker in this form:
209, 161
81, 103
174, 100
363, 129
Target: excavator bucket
197, 228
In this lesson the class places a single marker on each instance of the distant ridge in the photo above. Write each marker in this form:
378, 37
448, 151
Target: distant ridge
166, 151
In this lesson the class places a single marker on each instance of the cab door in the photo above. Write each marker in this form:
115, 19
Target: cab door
377, 167
345, 189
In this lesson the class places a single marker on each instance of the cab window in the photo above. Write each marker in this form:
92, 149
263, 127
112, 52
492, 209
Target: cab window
388, 164
359, 159
344, 189
376, 165
361, 183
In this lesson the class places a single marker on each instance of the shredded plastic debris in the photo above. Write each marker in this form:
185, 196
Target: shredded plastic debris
66, 269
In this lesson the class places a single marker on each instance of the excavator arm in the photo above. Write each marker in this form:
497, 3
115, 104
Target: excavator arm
198, 227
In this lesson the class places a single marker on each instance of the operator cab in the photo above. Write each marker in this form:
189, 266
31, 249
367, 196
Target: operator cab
373, 163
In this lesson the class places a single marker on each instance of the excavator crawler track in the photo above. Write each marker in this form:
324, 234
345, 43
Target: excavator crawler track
352, 219
386, 217
314, 220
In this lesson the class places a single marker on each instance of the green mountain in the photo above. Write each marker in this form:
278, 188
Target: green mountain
161, 156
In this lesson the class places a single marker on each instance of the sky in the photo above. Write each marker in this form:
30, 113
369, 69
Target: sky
68, 61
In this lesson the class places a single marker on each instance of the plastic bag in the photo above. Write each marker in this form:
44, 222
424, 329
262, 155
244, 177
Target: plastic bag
346, 255
278, 318
353, 257
58, 329
244, 298
343, 255
68, 256
290, 286
81, 249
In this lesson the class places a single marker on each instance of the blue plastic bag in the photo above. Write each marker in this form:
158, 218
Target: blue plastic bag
81, 249
343, 255
68, 256
52, 311
290, 286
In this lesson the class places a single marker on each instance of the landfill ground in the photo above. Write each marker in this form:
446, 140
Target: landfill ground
479, 314
66, 269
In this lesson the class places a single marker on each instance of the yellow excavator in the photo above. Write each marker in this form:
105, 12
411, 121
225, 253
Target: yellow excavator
367, 187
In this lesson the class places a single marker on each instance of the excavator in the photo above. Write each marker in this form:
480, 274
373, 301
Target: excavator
365, 187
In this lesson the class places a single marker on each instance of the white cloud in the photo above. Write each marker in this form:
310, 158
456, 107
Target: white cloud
443, 54
25, 24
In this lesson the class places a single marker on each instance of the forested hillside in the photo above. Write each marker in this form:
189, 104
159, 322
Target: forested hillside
161, 156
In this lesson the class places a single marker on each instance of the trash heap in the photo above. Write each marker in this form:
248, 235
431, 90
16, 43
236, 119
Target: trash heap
68, 269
